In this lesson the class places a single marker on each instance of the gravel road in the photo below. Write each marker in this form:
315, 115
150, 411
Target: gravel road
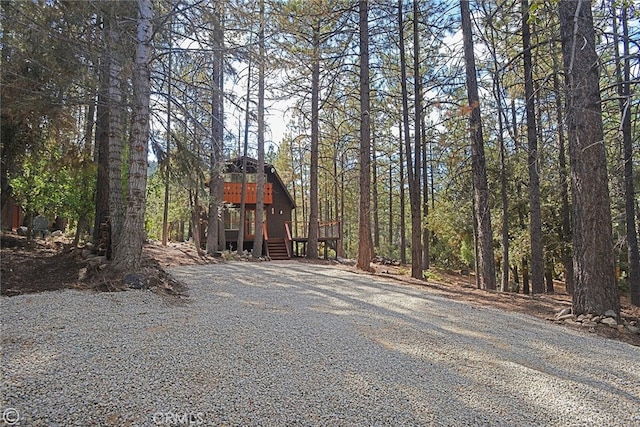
288, 343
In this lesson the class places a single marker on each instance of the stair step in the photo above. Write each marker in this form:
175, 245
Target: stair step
277, 249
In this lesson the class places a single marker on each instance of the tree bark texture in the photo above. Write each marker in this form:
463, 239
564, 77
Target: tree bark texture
413, 175
260, 179
365, 243
535, 214
623, 71
403, 215
312, 245
595, 289
420, 235
114, 99
129, 254
485, 261
215, 223
101, 152
565, 210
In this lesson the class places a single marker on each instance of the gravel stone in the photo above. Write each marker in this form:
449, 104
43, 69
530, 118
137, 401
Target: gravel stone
286, 343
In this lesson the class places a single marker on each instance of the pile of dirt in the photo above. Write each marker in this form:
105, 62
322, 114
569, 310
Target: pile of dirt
37, 265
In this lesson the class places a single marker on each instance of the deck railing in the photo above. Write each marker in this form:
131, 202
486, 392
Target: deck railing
327, 230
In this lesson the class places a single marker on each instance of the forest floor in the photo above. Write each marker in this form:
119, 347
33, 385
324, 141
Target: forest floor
48, 265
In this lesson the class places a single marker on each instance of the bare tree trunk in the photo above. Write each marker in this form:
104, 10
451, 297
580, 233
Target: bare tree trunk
548, 278
258, 236
390, 238
525, 276
312, 246
504, 197
565, 210
336, 202
245, 152
365, 244
294, 227
403, 214
102, 137
412, 170
535, 214
426, 235
115, 132
487, 270
219, 58
167, 159
215, 225
623, 71
374, 191
195, 218
83, 220
595, 289
342, 204
129, 252
416, 220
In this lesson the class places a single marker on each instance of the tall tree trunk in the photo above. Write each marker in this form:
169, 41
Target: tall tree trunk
365, 244
294, 228
195, 218
504, 197
505, 209
219, 58
595, 289
129, 254
412, 172
548, 277
390, 238
418, 232
214, 220
525, 276
259, 236
565, 210
102, 138
115, 132
374, 191
312, 246
343, 247
486, 262
623, 72
83, 220
336, 202
403, 214
245, 152
167, 159
535, 214
425, 198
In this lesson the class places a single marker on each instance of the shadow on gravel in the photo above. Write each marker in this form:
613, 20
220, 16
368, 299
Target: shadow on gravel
508, 341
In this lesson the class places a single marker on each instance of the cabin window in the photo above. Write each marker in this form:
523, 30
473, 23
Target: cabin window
250, 223
232, 219
237, 177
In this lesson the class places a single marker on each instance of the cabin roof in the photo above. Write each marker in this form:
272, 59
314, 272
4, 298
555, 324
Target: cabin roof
235, 165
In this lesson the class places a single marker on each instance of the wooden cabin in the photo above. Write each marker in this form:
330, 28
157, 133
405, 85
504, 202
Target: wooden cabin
278, 205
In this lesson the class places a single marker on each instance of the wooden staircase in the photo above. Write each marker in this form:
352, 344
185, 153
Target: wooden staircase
277, 249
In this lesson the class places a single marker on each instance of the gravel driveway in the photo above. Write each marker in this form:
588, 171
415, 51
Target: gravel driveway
287, 343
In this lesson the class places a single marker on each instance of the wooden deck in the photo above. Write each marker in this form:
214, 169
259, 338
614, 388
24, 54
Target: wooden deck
329, 233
